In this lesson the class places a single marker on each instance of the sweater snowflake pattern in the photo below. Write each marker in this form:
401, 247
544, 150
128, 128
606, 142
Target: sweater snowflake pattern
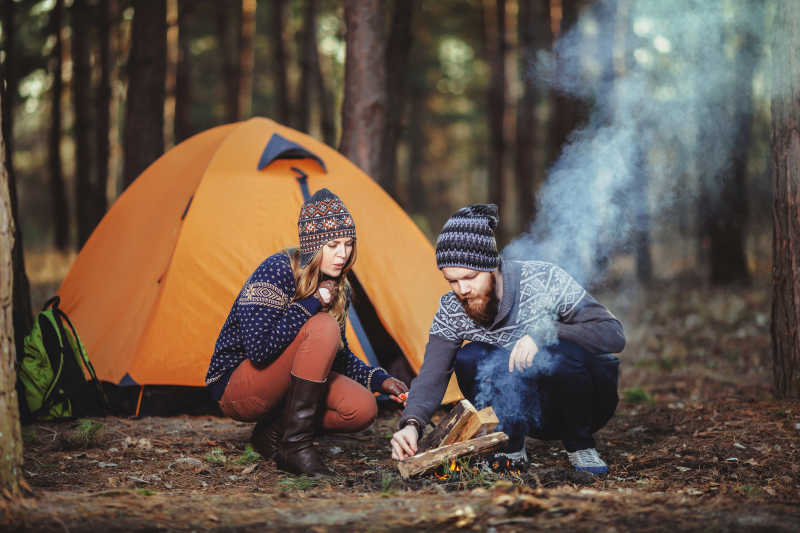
264, 320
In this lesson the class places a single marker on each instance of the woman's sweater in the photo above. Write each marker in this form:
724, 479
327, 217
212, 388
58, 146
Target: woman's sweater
264, 321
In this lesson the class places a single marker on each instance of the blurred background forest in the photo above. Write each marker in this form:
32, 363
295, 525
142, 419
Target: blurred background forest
469, 99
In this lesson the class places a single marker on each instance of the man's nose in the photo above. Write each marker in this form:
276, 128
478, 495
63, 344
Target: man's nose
463, 288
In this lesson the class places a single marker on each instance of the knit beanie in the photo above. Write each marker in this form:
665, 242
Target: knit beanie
467, 239
323, 218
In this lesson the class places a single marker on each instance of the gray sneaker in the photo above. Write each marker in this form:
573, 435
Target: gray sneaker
588, 460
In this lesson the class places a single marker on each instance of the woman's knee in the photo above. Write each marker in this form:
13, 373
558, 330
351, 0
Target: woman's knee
354, 414
322, 326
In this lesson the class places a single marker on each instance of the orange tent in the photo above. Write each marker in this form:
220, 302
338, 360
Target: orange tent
151, 288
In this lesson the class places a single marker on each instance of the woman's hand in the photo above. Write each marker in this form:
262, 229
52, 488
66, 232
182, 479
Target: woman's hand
326, 293
396, 389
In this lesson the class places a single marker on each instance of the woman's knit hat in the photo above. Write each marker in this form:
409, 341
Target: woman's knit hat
323, 218
467, 239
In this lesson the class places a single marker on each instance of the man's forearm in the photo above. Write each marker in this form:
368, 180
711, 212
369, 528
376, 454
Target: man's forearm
428, 388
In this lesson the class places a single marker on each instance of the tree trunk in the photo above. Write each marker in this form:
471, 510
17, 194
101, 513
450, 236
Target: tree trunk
106, 16
228, 25
496, 46
417, 200
58, 195
308, 54
10, 433
283, 111
785, 170
568, 112
183, 76
728, 224
23, 317
534, 34
80, 15
397, 53
247, 32
147, 70
364, 106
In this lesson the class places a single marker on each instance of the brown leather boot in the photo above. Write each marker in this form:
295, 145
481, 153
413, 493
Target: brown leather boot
267, 434
302, 414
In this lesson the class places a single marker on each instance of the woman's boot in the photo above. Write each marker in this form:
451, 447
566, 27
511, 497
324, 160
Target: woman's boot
302, 414
267, 433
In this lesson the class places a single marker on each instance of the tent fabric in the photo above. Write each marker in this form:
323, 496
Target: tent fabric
153, 285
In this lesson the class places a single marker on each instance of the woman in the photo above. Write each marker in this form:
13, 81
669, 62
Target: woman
282, 359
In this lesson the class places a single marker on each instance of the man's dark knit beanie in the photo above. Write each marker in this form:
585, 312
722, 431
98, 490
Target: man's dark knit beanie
467, 239
323, 218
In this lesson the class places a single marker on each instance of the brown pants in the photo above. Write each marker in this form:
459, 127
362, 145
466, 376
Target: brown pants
252, 391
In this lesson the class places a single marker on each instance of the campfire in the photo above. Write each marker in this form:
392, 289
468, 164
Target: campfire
465, 431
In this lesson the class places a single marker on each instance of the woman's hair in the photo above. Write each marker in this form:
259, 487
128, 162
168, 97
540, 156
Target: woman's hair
307, 280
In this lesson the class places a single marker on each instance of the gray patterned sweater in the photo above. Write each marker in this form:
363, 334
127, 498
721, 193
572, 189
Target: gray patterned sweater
539, 299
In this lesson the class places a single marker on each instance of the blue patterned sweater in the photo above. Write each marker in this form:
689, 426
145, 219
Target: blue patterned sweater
539, 299
264, 320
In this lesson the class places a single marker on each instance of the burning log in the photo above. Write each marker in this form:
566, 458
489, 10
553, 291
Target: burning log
462, 423
424, 461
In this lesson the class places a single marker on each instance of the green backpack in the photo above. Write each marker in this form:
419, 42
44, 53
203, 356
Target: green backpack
52, 383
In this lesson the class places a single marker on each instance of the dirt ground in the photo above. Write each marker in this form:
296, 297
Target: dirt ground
698, 444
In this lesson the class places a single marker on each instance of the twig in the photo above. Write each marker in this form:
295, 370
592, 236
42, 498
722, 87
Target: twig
53, 431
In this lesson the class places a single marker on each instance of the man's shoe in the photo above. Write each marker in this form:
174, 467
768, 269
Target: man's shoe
588, 460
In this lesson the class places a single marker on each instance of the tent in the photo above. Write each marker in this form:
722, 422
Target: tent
152, 286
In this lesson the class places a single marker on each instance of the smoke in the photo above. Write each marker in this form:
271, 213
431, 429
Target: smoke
670, 107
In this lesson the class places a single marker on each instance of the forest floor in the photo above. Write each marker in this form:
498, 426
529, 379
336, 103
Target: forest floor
698, 443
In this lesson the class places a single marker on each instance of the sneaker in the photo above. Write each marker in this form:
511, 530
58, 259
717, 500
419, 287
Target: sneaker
588, 460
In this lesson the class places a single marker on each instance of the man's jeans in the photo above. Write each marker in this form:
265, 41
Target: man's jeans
567, 394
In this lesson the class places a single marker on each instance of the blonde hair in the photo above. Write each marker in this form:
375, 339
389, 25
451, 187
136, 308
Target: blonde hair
307, 280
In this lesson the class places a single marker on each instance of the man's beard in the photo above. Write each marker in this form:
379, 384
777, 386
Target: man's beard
482, 309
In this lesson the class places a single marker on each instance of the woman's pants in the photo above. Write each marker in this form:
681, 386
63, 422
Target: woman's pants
252, 392
566, 394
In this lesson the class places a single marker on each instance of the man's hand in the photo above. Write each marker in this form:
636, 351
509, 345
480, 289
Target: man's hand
404, 442
396, 389
522, 355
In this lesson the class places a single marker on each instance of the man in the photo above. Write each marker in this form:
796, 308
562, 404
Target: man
539, 352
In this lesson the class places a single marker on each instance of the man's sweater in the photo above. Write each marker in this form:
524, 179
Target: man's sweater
264, 321
539, 299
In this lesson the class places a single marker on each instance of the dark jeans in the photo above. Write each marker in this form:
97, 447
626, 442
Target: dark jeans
567, 394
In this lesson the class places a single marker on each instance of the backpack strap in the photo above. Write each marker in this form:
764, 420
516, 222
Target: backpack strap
102, 398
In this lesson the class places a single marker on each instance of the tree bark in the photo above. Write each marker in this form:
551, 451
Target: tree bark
496, 45
183, 75
147, 70
785, 171
534, 34
326, 105
568, 111
247, 31
10, 432
58, 195
80, 15
308, 54
397, 53
283, 111
416, 196
228, 26
364, 106
728, 224
106, 15
23, 317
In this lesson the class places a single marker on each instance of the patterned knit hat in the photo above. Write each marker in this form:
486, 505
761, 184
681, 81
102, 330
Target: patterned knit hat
323, 218
467, 239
